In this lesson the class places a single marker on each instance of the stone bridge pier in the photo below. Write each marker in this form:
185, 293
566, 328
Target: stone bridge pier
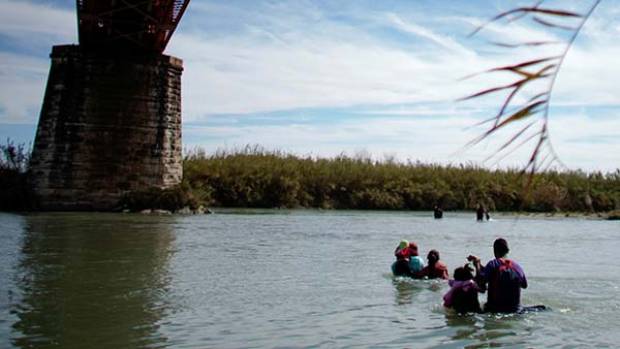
109, 124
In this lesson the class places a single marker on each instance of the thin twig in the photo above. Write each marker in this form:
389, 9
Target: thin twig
540, 103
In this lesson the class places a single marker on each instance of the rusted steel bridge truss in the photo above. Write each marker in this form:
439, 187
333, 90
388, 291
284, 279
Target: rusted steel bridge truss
128, 25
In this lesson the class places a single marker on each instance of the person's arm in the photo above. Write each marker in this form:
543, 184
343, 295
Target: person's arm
523, 283
446, 275
479, 278
422, 273
444, 272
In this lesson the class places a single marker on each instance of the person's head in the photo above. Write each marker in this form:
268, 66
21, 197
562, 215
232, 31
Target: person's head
433, 257
500, 248
403, 243
413, 248
463, 273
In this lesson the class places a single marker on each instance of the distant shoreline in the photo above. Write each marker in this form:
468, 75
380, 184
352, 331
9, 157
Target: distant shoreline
613, 215
256, 178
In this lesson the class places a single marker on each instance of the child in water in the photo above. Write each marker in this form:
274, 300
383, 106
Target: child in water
401, 266
416, 263
408, 263
463, 294
402, 250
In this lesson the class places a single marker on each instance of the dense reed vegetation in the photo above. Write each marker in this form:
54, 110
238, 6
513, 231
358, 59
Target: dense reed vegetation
533, 79
253, 177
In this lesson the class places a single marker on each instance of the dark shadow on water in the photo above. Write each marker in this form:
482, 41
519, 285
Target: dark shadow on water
92, 281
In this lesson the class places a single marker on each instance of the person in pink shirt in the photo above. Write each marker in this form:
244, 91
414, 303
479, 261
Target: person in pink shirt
463, 294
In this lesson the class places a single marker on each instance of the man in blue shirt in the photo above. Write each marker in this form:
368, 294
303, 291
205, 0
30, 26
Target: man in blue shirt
505, 279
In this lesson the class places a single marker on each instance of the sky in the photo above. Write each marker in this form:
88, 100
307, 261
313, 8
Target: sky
364, 78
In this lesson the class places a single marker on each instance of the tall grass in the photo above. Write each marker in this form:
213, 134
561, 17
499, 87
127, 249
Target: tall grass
527, 98
255, 177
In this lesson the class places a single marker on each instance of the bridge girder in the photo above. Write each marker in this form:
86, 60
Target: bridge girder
128, 26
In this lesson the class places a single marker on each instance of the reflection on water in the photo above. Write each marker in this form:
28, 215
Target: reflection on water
85, 284
291, 279
483, 330
407, 288
464, 323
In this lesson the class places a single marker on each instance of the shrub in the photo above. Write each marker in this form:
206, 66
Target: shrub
15, 194
255, 177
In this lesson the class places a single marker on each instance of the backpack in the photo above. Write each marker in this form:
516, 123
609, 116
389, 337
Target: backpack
507, 288
416, 264
507, 276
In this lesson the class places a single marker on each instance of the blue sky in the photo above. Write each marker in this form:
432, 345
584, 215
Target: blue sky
361, 77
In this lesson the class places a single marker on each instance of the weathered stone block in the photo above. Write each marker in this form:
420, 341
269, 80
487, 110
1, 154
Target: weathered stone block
108, 125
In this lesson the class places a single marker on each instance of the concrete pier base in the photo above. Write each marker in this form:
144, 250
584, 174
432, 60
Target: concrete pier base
108, 125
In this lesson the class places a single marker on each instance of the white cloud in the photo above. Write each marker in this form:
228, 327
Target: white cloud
36, 23
588, 141
429, 139
441, 40
22, 82
23, 76
236, 76
293, 55
330, 64
426, 139
513, 33
312, 67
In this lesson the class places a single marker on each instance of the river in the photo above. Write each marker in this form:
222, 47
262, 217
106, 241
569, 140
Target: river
293, 279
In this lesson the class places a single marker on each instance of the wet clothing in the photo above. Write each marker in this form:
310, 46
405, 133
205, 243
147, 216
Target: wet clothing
416, 264
406, 252
463, 297
437, 213
438, 271
505, 279
402, 253
408, 263
401, 268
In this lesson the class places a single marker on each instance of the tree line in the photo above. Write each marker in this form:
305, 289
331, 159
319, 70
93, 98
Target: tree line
255, 177
258, 178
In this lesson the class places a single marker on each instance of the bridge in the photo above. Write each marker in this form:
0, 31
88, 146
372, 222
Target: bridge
110, 122
128, 25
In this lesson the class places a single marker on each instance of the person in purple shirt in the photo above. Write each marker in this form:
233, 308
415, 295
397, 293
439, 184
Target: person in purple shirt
505, 279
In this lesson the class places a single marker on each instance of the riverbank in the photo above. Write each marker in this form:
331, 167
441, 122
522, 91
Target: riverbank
448, 215
256, 178
253, 177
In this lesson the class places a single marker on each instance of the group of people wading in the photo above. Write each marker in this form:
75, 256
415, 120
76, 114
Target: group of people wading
409, 263
481, 213
501, 278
